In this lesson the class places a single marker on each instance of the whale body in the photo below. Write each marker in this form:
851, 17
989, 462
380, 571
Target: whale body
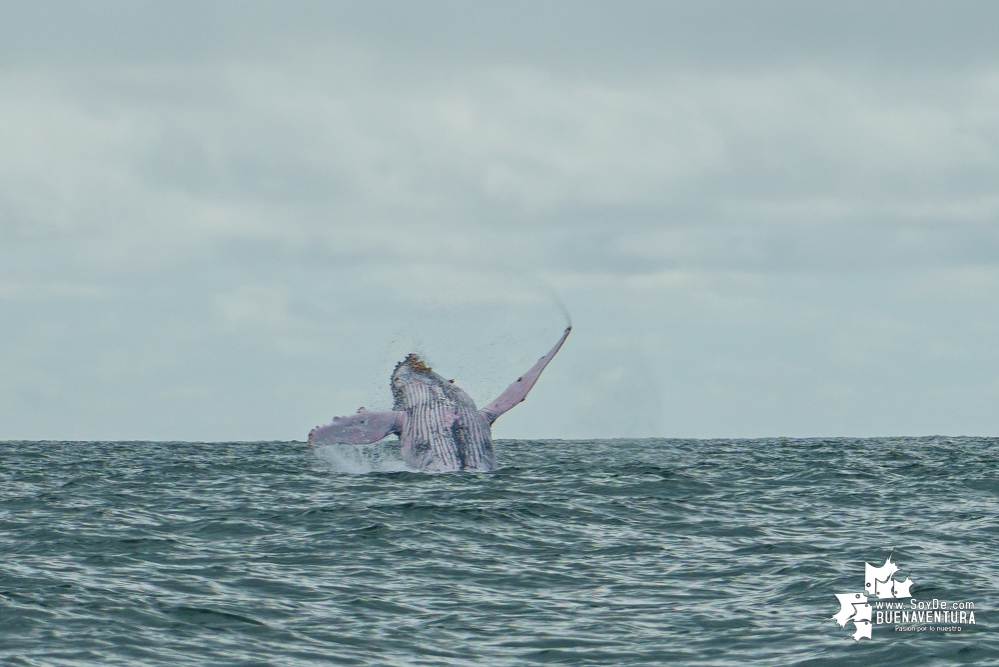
438, 425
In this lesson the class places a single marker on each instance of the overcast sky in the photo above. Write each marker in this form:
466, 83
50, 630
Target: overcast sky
229, 220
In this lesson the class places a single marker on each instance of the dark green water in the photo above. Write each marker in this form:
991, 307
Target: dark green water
623, 552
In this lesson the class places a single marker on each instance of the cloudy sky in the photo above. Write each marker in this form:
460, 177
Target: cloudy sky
228, 220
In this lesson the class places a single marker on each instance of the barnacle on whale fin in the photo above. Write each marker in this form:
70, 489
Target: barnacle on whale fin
417, 364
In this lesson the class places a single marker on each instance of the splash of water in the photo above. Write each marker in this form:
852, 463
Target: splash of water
361, 459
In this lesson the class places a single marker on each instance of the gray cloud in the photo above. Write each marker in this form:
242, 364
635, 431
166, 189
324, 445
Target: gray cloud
228, 220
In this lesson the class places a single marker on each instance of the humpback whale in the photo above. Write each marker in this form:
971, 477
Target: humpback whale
437, 422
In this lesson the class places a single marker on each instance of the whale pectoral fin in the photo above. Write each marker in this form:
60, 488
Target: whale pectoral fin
358, 429
517, 391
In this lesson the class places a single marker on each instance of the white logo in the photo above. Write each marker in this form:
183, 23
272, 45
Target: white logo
879, 582
878, 605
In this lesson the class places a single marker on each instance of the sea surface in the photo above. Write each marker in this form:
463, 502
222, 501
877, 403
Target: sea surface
601, 552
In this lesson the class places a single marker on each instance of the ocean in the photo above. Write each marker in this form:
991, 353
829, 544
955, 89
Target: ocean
598, 552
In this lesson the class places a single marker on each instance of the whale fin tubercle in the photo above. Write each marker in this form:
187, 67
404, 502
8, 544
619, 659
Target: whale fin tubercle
361, 428
517, 391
